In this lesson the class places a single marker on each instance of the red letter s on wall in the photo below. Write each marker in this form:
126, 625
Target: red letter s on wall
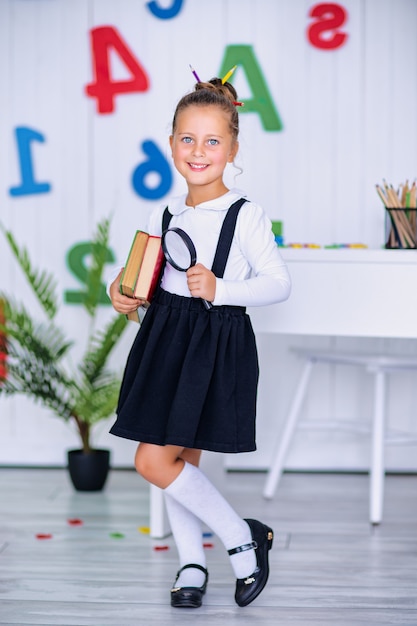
330, 17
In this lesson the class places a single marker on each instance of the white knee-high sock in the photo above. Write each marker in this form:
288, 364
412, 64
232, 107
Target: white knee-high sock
187, 531
196, 493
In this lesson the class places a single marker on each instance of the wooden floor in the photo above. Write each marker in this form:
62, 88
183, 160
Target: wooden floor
328, 566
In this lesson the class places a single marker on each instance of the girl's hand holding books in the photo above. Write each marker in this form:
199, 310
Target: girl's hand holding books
123, 304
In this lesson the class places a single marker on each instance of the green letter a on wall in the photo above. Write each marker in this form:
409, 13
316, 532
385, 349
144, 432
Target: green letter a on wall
261, 103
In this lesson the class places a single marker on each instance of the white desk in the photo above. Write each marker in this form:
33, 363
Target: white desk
351, 293
346, 292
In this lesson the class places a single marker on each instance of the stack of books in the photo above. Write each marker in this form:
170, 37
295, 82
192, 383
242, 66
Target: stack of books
142, 270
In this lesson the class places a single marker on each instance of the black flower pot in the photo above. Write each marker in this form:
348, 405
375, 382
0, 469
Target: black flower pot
88, 472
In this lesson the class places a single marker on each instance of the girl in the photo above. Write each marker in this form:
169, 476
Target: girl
191, 377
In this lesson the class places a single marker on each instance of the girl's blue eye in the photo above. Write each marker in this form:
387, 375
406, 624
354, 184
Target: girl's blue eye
187, 139
213, 142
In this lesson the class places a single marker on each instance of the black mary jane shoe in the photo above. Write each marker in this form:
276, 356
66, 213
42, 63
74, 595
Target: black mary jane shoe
247, 589
189, 597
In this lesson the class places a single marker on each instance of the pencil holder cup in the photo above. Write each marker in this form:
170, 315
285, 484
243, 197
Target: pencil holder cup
401, 229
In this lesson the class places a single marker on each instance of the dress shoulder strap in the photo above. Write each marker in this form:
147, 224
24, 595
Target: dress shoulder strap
226, 238
166, 218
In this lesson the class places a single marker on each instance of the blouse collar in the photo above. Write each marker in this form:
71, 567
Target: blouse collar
177, 205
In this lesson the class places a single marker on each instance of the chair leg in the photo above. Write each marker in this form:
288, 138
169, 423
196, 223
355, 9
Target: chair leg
159, 525
377, 471
284, 440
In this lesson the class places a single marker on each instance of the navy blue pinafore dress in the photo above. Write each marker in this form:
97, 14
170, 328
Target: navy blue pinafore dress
192, 374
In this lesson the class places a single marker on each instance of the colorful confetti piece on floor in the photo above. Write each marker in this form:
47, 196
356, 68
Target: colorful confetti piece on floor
117, 535
160, 548
144, 529
75, 522
43, 536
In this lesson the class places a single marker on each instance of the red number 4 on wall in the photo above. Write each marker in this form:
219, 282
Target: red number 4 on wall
103, 39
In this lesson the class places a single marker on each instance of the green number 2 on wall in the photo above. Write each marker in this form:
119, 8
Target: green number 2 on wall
77, 259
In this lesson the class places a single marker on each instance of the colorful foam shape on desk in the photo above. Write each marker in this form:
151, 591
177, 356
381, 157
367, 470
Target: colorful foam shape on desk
277, 229
304, 245
338, 246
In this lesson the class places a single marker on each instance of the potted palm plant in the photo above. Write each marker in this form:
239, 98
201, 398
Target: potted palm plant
36, 357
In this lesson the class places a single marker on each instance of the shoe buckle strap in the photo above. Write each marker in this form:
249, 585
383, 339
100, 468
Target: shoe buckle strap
189, 566
247, 546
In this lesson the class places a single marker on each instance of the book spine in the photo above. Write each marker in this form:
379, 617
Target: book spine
156, 274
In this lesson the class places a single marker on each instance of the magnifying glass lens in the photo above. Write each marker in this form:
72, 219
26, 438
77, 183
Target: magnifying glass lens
178, 250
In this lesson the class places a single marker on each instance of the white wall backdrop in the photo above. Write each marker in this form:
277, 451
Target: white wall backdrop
340, 77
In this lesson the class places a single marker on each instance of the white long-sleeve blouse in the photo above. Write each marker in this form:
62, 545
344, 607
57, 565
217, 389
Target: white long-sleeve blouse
255, 273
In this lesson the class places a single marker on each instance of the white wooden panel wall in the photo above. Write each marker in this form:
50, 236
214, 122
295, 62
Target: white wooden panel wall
349, 120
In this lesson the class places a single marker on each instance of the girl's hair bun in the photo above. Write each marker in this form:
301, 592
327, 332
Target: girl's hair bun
216, 84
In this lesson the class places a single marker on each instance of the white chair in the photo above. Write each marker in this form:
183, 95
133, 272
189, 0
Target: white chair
377, 365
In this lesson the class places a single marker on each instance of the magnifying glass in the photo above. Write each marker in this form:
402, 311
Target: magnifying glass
180, 252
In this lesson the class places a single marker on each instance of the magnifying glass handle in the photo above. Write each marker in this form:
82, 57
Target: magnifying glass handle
208, 305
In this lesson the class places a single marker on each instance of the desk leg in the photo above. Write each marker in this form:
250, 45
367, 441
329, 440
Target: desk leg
377, 471
284, 440
159, 525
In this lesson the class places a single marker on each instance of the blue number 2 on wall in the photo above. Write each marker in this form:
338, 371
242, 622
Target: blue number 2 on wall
28, 185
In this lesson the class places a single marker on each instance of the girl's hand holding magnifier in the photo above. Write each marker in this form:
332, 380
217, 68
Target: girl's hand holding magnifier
201, 282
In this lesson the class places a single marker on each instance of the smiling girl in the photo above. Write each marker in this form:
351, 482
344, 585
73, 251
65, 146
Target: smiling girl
191, 378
